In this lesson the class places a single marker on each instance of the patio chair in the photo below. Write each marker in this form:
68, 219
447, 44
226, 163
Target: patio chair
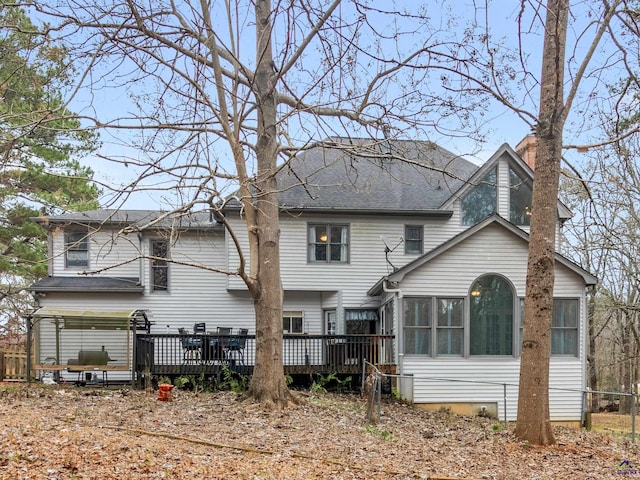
237, 344
200, 327
191, 346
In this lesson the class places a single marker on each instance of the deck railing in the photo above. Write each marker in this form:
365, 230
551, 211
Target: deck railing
171, 354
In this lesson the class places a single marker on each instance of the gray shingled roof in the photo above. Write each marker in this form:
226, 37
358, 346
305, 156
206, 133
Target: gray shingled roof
367, 175
88, 284
374, 176
197, 220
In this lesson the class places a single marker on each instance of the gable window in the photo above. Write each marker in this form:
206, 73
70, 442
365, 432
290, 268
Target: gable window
491, 311
159, 266
292, 322
564, 327
76, 248
417, 326
328, 243
450, 329
520, 197
481, 201
413, 239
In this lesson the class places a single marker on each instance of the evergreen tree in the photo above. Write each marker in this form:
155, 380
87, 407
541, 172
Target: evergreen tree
40, 144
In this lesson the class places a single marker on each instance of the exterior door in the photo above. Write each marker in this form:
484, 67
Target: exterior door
330, 318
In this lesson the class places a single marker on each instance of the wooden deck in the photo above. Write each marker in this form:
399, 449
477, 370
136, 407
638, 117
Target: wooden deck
176, 354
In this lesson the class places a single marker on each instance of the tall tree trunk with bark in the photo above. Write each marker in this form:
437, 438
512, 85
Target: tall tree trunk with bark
267, 382
533, 423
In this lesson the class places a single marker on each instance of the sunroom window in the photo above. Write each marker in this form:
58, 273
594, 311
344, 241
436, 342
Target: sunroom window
491, 311
417, 326
450, 330
481, 201
564, 327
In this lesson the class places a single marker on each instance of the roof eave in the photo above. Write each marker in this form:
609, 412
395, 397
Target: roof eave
360, 211
137, 290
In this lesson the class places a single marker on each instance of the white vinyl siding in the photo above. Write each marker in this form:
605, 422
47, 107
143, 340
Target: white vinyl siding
467, 377
494, 250
105, 250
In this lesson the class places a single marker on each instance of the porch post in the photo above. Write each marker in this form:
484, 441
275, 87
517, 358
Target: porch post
29, 330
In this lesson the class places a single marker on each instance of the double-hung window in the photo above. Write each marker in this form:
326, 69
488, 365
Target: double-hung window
564, 327
159, 265
417, 326
413, 239
328, 243
292, 322
76, 248
450, 329
421, 327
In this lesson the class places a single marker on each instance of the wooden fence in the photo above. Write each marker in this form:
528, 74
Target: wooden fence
13, 364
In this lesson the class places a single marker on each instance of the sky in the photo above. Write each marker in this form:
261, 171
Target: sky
503, 126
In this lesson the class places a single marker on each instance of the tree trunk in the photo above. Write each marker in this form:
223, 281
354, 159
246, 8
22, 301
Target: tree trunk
267, 384
591, 358
533, 423
625, 367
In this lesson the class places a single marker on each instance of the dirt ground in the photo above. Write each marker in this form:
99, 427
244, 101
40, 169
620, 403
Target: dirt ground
80, 433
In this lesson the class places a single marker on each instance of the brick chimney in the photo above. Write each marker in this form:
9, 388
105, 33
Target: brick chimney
527, 150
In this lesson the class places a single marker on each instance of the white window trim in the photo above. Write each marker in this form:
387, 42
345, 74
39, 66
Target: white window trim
68, 245
152, 288
291, 314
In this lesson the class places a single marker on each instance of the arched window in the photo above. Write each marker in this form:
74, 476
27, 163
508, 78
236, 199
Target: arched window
491, 316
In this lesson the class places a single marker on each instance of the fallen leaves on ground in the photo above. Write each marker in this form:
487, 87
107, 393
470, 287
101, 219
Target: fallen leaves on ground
74, 433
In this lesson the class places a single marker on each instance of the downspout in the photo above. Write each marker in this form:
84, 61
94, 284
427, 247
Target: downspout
399, 322
141, 262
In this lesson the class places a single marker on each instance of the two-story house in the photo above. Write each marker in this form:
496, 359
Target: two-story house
394, 239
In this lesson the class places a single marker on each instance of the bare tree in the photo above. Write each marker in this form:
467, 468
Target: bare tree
605, 33
224, 94
533, 397
604, 235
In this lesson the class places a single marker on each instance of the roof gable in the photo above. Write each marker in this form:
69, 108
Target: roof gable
515, 160
493, 219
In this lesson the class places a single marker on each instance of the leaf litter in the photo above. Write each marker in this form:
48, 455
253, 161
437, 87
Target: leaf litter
54, 432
